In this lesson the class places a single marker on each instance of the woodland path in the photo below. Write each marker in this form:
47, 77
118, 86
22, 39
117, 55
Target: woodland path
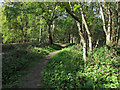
33, 79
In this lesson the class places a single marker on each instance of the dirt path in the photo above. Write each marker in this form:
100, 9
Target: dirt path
33, 79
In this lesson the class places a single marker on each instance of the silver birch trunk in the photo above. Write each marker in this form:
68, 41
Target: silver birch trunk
87, 29
108, 34
108, 37
83, 42
107, 31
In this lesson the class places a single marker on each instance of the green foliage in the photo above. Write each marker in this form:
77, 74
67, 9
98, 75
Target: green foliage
16, 61
76, 7
61, 68
66, 69
17, 58
105, 63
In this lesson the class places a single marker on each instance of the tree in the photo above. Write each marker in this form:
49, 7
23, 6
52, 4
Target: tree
50, 14
70, 11
110, 26
86, 26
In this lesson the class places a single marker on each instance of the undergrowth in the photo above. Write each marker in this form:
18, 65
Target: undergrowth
17, 59
66, 69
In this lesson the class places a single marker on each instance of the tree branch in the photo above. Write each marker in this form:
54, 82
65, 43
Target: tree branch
72, 14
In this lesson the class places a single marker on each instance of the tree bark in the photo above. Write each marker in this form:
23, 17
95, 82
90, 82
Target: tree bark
106, 30
85, 23
71, 38
109, 28
118, 28
80, 33
50, 35
97, 43
113, 30
83, 42
74, 40
87, 29
40, 34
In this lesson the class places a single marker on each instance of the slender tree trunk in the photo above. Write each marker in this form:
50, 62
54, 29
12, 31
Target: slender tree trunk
118, 28
26, 26
113, 38
71, 38
83, 27
117, 23
80, 33
109, 28
50, 35
97, 43
107, 31
83, 41
87, 29
53, 28
74, 41
108, 36
40, 34
103, 18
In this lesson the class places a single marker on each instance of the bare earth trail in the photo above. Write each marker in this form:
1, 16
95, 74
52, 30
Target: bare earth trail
33, 79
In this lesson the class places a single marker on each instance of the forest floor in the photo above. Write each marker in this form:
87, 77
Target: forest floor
34, 77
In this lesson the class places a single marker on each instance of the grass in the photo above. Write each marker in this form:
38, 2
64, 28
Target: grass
66, 69
19, 58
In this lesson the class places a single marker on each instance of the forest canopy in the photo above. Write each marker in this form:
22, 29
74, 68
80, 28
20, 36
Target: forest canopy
92, 27
91, 24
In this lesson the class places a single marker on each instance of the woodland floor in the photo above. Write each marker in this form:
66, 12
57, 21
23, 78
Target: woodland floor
33, 79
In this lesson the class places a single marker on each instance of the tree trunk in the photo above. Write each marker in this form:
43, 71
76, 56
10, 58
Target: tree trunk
87, 29
84, 50
71, 38
113, 34
97, 43
83, 42
80, 33
50, 35
118, 28
107, 31
40, 34
74, 40
108, 38
109, 28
